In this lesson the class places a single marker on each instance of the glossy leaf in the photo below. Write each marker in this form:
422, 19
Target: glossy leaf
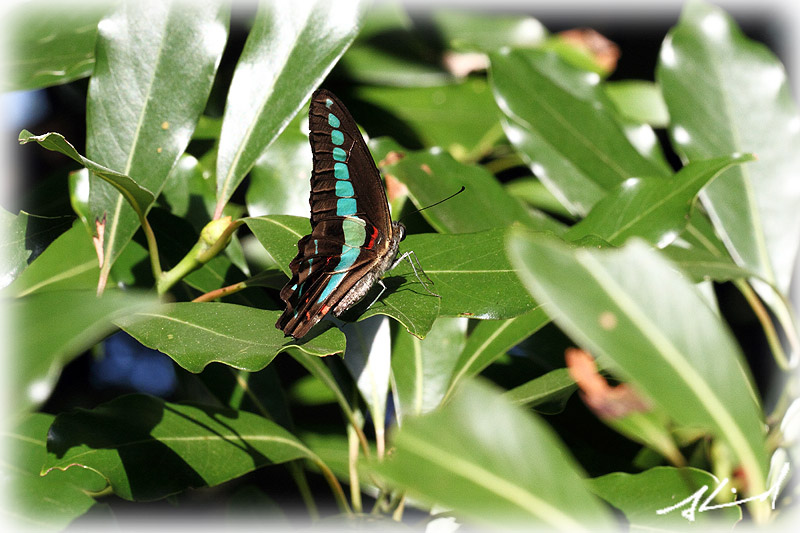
490, 339
533, 192
155, 66
566, 128
433, 175
655, 209
421, 370
280, 182
460, 118
639, 496
13, 252
70, 262
638, 312
702, 265
368, 359
137, 196
741, 104
49, 45
639, 101
544, 392
478, 32
39, 358
120, 439
31, 501
473, 284
269, 86
196, 334
453, 458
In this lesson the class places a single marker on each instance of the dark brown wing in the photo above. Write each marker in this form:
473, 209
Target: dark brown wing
327, 115
351, 226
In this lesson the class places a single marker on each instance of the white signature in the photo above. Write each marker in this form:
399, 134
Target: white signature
696, 507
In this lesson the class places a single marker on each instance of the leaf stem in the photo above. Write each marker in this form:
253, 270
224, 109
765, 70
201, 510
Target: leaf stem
152, 246
766, 323
352, 461
221, 292
212, 241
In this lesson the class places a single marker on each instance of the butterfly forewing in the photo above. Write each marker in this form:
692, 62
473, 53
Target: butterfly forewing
352, 237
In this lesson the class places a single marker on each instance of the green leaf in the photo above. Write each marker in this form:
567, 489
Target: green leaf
407, 63
137, 196
38, 503
120, 440
492, 338
421, 370
50, 44
70, 262
493, 464
196, 334
434, 175
471, 274
547, 393
280, 180
742, 104
368, 359
635, 310
478, 32
565, 127
39, 358
639, 496
702, 265
655, 209
155, 66
534, 193
308, 390
639, 101
13, 251
268, 87
460, 118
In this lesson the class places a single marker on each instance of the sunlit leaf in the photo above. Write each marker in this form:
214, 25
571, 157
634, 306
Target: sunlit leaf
636, 310
725, 94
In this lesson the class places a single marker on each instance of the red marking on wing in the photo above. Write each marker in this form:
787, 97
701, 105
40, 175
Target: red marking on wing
324, 310
372, 238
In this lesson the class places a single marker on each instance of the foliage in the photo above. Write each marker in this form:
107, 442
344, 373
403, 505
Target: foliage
578, 227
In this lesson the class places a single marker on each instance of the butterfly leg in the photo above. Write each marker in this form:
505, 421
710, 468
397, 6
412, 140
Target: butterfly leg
383, 288
411, 256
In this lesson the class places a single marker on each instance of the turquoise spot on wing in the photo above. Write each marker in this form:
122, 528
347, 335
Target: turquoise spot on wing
339, 154
333, 121
345, 207
337, 137
340, 171
328, 103
344, 188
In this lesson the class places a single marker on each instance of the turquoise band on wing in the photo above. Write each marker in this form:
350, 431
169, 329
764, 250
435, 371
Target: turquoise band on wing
340, 171
337, 137
339, 154
345, 207
344, 188
333, 121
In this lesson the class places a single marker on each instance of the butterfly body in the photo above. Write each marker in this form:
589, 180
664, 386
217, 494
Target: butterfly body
353, 240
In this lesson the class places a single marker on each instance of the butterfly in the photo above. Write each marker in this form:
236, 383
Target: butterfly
353, 240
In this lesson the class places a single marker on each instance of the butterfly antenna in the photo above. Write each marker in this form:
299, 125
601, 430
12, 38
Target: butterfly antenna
437, 203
